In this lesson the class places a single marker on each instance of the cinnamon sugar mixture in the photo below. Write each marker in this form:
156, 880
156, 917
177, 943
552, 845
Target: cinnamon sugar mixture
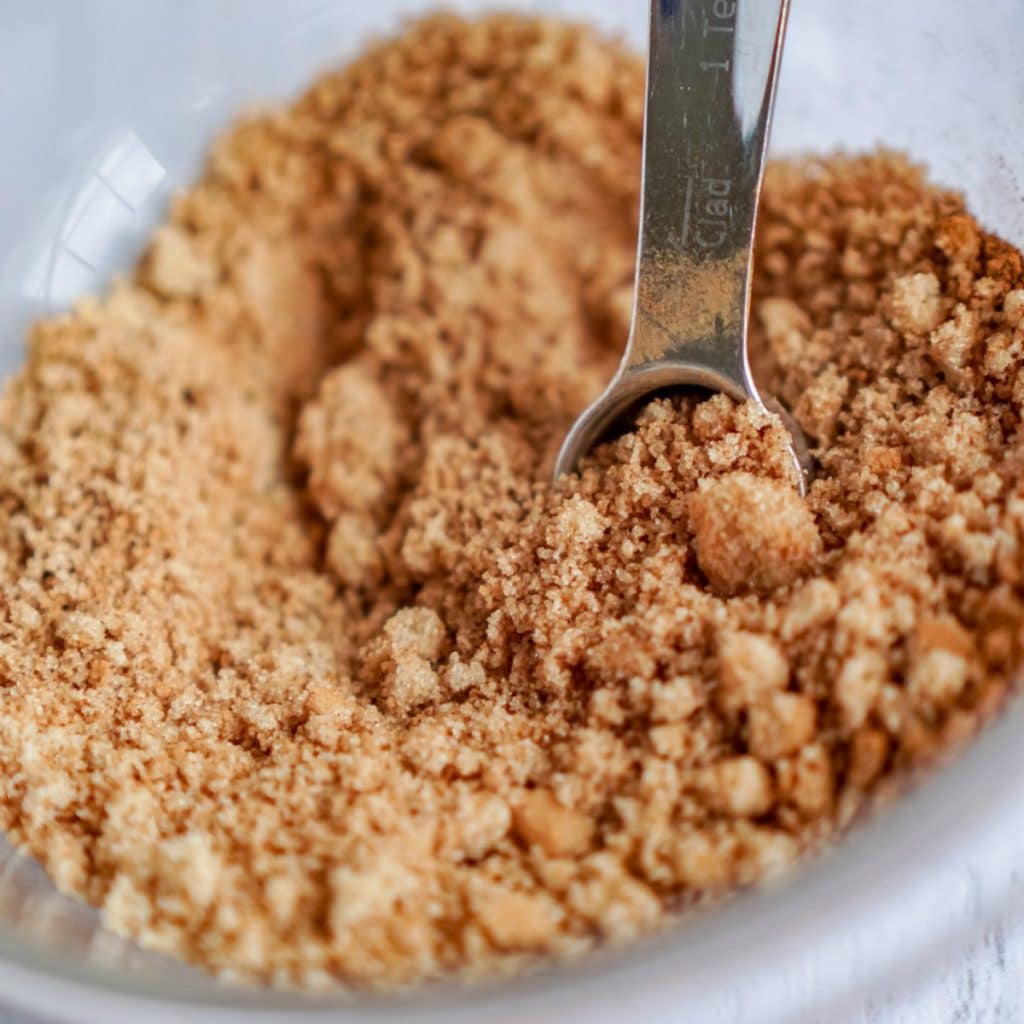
306, 670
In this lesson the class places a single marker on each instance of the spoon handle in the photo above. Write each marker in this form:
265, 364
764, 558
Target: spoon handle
711, 78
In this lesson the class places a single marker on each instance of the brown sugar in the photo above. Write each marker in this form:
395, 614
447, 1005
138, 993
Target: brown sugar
309, 675
751, 532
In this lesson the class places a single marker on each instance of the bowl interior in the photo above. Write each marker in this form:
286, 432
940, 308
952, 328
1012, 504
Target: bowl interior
112, 105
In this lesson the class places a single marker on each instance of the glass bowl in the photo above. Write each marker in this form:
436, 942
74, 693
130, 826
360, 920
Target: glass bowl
108, 106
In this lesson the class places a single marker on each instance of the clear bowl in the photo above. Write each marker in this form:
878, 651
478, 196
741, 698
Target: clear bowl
108, 106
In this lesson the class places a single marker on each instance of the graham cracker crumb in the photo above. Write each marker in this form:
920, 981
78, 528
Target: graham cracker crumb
540, 819
516, 920
916, 303
780, 725
750, 667
738, 786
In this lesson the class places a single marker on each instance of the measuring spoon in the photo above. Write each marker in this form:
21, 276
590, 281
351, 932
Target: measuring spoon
711, 77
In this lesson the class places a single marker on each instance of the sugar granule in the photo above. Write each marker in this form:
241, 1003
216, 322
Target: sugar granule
308, 674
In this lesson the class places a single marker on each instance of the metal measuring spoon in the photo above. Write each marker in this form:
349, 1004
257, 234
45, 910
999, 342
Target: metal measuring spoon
711, 77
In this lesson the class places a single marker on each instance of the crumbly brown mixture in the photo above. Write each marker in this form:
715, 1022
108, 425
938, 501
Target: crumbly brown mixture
307, 673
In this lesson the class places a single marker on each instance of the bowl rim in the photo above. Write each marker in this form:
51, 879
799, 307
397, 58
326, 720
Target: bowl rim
906, 842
